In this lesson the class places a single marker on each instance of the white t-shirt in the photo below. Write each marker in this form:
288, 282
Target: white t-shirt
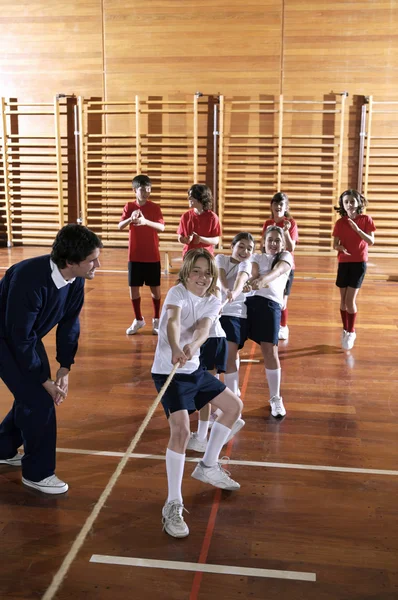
193, 309
216, 331
276, 288
237, 308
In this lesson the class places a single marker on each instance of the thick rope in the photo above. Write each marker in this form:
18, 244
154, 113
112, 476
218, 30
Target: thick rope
79, 541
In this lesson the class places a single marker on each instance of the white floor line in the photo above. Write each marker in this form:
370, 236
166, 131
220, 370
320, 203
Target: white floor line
245, 463
249, 360
202, 568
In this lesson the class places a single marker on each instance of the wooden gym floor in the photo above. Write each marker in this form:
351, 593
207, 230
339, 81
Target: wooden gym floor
316, 515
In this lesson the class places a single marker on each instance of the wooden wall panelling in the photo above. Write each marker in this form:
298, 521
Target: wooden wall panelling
38, 154
312, 154
248, 163
380, 176
111, 158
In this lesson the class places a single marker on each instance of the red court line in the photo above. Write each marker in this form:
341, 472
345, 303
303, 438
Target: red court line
197, 580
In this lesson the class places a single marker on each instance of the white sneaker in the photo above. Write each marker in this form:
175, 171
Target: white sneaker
216, 476
196, 444
48, 485
283, 332
15, 461
343, 335
277, 408
173, 521
349, 340
135, 326
155, 326
237, 426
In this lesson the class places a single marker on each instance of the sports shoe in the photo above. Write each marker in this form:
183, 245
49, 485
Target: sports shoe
283, 332
343, 335
195, 443
155, 326
216, 476
277, 408
135, 326
48, 485
15, 461
237, 426
349, 340
173, 521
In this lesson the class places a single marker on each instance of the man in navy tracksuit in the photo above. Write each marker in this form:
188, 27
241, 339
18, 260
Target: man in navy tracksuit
35, 295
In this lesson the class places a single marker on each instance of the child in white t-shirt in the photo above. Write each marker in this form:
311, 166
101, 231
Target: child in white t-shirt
188, 311
264, 305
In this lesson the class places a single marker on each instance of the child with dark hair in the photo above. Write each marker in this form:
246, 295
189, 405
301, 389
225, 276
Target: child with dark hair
280, 215
353, 233
199, 227
264, 307
144, 220
189, 309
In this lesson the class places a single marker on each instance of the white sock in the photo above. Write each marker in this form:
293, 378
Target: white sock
175, 463
218, 436
274, 381
231, 380
203, 426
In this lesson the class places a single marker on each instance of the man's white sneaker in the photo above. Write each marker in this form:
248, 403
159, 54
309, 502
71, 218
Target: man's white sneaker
155, 326
277, 408
48, 485
196, 444
15, 461
237, 426
135, 326
173, 521
283, 332
349, 340
216, 476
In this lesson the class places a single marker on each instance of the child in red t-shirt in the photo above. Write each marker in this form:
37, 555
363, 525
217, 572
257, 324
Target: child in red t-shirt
199, 227
352, 235
144, 219
280, 216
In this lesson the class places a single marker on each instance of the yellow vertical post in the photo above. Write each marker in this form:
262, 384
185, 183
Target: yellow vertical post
368, 139
280, 142
58, 152
6, 173
137, 135
82, 182
221, 166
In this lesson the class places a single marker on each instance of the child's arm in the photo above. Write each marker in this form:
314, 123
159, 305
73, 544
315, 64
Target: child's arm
240, 282
222, 276
200, 335
123, 224
339, 247
185, 239
279, 269
199, 239
141, 220
369, 238
173, 335
290, 244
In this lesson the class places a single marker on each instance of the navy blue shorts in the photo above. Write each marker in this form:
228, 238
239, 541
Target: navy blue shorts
214, 354
289, 283
350, 274
263, 319
235, 329
141, 273
188, 391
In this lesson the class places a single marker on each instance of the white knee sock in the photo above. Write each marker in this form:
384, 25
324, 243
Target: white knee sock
203, 426
274, 381
231, 380
175, 469
218, 436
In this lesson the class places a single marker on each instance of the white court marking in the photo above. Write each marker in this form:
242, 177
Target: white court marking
200, 567
245, 463
249, 360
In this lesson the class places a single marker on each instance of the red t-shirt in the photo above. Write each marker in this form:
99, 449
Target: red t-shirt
352, 242
206, 224
143, 240
293, 230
